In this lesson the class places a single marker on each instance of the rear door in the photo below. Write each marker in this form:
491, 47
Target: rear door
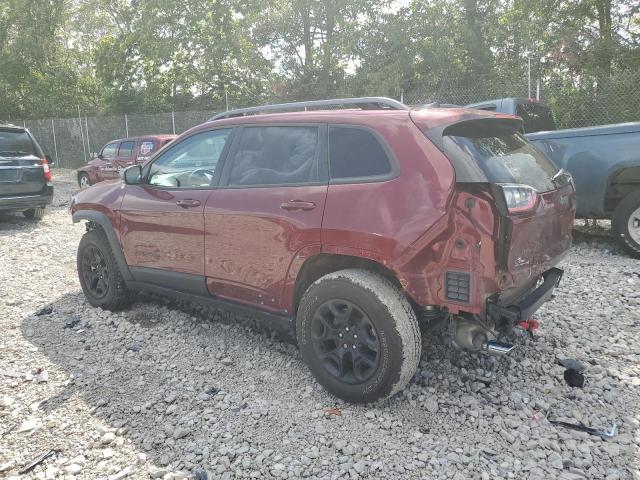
21, 169
267, 210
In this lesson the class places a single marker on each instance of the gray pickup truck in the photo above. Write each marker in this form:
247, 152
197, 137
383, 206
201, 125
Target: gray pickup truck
604, 162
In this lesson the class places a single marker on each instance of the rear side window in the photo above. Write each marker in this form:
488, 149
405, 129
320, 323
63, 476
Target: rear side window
126, 149
356, 153
504, 158
536, 117
275, 155
17, 143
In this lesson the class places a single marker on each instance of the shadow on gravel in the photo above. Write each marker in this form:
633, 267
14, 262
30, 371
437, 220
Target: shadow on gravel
184, 386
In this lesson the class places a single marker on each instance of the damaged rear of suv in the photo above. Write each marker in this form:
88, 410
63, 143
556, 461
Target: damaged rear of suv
349, 226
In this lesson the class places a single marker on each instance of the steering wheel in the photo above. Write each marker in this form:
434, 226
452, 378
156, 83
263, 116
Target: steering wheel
201, 173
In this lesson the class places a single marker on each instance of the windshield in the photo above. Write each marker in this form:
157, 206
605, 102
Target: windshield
506, 158
536, 117
16, 143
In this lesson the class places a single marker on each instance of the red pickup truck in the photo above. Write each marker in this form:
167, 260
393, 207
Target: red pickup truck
118, 155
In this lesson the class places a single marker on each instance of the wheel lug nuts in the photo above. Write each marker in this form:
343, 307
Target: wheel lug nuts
345, 345
353, 346
355, 336
340, 335
347, 329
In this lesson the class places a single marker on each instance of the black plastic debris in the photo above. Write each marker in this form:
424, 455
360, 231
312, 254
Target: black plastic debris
48, 310
573, 374
574, 378
37, 461
72, 322
612, 432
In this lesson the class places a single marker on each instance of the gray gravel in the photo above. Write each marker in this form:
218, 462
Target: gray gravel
156, 392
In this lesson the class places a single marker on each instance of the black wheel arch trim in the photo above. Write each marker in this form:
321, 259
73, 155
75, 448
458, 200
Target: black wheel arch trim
104, 222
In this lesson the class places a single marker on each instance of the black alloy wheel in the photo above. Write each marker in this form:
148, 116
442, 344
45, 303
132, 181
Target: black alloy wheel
345, 340
95, 272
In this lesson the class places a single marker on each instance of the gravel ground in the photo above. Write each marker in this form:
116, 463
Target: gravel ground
156, 392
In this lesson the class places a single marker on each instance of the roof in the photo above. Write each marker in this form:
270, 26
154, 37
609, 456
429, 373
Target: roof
162, 136
12, 127
425, 118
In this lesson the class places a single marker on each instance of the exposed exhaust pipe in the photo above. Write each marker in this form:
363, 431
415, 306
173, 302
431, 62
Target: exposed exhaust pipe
498, 348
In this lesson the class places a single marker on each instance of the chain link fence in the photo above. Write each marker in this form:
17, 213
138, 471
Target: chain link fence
581, 104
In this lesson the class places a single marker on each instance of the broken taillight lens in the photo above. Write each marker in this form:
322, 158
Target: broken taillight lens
47, 170
519, 198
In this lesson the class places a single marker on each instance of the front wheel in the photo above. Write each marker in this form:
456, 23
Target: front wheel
100, 278
84, 181
625, 223
34, 214
359, 335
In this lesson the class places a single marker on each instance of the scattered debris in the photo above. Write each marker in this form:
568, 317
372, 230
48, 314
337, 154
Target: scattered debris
573, 374
72, 322
537, 416
612, 432
571, 364
574, 378
332, 411
48, 310
37, 461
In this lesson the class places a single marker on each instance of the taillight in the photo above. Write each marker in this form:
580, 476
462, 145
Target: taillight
47, 170
519, 198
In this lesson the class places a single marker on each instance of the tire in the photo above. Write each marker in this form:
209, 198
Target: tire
109, 291
34, 213
385, 324
627, 213
84, 181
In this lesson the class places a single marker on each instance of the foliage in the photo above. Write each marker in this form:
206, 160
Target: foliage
119, 56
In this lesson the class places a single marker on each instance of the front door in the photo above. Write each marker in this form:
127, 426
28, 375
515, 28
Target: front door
107, 167
267, 209
162, 220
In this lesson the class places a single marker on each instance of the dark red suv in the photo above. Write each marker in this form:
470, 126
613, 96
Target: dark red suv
352, 226
118, 155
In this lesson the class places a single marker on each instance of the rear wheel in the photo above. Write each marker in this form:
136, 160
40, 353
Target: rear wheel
359, 335
99, 275
625, 223
34, 213
84, 181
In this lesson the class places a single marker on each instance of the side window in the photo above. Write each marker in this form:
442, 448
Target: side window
356, 153
126, 149
191, 163
276, 156
109, 151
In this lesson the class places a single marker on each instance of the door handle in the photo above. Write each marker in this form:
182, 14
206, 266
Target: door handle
188, 203
293, 205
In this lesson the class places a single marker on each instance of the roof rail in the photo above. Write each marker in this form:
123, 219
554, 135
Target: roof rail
380, 102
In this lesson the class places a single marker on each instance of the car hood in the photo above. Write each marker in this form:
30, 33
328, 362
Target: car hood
101, 196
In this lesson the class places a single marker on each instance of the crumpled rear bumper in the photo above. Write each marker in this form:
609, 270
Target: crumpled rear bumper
506, 316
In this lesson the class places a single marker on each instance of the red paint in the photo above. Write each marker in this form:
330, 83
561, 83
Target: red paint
417, 225
251, 241
100, 169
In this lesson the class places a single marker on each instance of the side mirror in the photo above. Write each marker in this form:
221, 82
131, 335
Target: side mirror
49, 160
132, 175
100, 156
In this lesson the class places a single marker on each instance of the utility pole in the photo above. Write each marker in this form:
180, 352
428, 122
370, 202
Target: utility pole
529, 72
84, 147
